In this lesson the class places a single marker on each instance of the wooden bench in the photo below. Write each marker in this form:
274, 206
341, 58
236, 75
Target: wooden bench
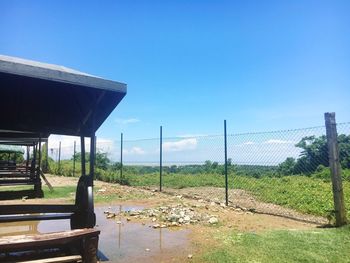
17, 176
23, 176
26, 212
78, 245
74, 258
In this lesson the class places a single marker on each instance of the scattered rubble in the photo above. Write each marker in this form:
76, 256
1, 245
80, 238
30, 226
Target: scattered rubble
213, 220
169, 216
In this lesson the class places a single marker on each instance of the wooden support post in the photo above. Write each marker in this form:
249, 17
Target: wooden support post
92, 156
335, 168
47, 156
37, 186
27, 161
74, 150
89, 249
33, 162
82, 155
59, 159
39, 150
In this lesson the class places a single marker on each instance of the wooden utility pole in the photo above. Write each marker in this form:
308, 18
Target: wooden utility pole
335, 168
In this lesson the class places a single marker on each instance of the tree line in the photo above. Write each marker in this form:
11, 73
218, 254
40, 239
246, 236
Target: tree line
315, 155
312, 159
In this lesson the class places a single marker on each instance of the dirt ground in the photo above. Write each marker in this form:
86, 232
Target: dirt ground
242, 219
241, 199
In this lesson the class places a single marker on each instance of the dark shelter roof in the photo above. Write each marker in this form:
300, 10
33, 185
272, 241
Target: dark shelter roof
21, 138
49, 99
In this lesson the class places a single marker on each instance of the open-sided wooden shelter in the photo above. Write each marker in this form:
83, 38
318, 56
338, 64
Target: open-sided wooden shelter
37, 100
29, 173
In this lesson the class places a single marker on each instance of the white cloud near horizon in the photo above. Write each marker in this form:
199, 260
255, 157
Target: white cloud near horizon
182, 145
122, 121
134, 151
191, 135
67, 145
276, 141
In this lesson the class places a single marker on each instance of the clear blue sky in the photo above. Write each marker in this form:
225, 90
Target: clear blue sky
262, 65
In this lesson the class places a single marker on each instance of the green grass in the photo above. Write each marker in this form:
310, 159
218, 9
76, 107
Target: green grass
302, 193
311, 195
117, 197
60, 192
68, 192
319, 245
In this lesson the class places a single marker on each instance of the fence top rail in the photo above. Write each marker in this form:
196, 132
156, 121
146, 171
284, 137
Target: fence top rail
231, 134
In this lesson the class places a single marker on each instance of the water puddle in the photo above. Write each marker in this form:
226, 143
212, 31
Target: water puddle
125, 242
133, 242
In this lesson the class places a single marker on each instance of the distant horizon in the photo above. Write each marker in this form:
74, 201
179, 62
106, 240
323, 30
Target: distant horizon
261, 148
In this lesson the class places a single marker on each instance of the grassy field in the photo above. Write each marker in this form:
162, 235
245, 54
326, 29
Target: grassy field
307, 194
68, 193
319, 245
304, 194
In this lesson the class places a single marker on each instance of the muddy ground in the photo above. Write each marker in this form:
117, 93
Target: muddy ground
203, 201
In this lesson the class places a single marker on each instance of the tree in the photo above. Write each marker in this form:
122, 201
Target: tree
16, 157
214, 165
116, 166
344, 150
315, 153
207, 165
101, 159
287, 167
78, 156
173, 169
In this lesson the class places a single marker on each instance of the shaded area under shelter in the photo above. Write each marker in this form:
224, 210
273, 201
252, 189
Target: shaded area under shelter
40, 99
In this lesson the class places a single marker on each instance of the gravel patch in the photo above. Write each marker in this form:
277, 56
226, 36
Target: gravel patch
243, 200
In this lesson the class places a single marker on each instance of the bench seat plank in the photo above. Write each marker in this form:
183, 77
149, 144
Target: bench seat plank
74, 258
35, 217
36, 208
36, 241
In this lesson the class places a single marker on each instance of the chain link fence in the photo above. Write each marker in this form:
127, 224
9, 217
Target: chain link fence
283, 173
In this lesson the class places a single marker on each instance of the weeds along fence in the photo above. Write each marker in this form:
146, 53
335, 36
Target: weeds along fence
280, 172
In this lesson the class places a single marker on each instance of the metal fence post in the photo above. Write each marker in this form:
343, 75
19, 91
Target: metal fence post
161, 159
226, 179
121, 157
74, 149
335, 168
